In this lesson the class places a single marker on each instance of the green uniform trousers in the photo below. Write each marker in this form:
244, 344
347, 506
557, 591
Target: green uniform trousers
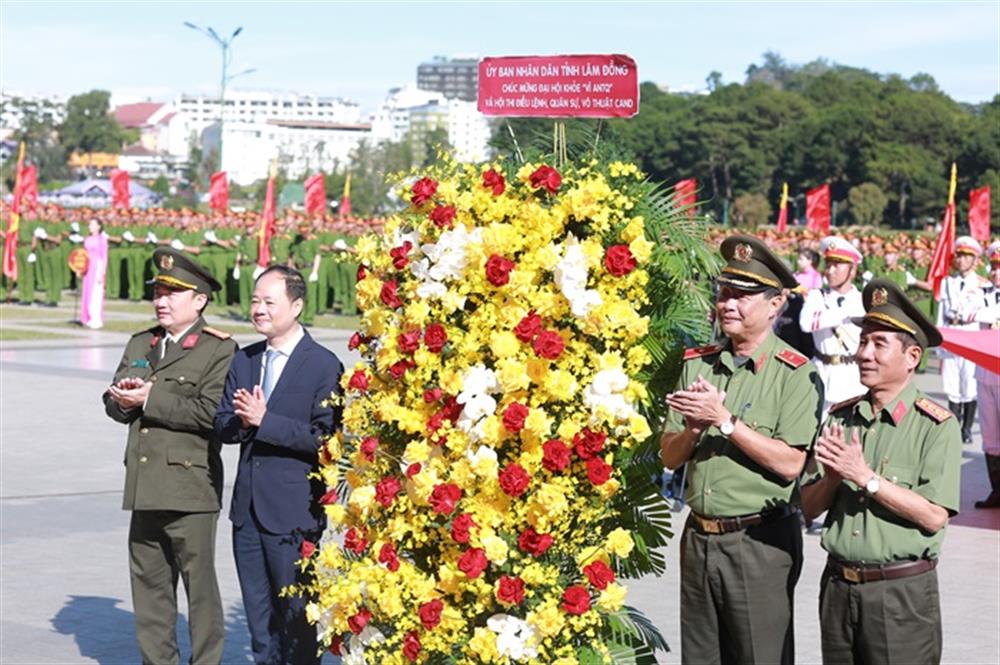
737, 592
165, 545
25, 275
311, 305
113, 278
135, 268
220, 263
891, 622
51, 262
246, 282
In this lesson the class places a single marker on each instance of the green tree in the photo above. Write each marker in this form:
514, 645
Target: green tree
36, 127
866, 204
751, 210
89, 125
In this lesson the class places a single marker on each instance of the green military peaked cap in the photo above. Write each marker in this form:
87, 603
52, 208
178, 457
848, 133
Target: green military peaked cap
180, 271
888, 307
752, 266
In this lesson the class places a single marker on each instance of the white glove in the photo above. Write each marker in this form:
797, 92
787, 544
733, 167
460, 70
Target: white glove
867, 275
32, 258
40, 233
128, 236
910, 279
236, 272
76, 238
340, 244
151, 237
258, 269
313, 276
238, 237
210, 236
74, 227
177, 244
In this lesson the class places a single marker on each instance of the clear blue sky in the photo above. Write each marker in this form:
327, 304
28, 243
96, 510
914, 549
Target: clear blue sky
359, 50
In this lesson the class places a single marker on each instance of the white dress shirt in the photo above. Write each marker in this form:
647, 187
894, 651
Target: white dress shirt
284, 353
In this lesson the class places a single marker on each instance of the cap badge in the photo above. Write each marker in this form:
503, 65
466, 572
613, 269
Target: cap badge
166, 262
880, 297
743, 252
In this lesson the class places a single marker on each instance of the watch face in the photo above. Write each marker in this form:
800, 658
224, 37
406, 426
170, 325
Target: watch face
872, 485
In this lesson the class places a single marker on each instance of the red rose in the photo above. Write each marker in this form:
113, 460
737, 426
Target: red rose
434, 422
555, 455
337, 645
354, 541
423, 190
398, 254
386, 490
411, 646
398, 369
368, 447
390, 296
599, 574
473, 562
357, 339
514, 416
328, 498
495, 181
528, 327
307, 549
460, 528
358, 622
514, 480
387, 555
498, 270
362, 273
413, 469
547, 177
587, 443
435, 337
409, 341
445, 497
430, 613
359, 380
443, 216
549, 344
534, 543
619, 260
510, 590
434, 394
598, 471
576, 600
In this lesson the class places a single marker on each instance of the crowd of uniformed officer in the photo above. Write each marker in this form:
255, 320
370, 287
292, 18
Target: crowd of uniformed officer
321, 247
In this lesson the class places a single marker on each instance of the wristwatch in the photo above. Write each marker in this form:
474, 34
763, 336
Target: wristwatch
728, 426
873, 485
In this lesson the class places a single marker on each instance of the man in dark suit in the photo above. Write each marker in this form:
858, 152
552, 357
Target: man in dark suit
167, 389
274, 407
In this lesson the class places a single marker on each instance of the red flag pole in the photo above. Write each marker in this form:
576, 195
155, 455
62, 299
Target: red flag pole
267, 222
944, 250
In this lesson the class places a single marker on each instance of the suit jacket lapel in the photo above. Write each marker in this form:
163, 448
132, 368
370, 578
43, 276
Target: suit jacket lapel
177, 351
153, 356
255, 366
297, 359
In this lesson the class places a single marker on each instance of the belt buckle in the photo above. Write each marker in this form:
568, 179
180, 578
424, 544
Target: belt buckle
709, 526
834, 360
852, 575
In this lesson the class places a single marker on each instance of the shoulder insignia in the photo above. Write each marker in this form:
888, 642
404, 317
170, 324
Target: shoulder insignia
846, 403
155, 331
792, 358
700, 351
190, 341
215, 332
935, 411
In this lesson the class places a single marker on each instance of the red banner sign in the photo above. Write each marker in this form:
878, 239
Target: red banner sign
587, 86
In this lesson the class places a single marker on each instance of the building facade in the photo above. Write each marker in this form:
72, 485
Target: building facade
455, 78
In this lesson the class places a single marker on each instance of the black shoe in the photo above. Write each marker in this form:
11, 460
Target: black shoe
50, 304
24, 303
992, 501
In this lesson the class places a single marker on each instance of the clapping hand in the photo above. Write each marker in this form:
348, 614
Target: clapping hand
700, 403
250, 406
841, 459
130, 392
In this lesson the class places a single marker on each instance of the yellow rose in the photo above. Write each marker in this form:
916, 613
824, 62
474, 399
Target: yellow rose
548, 620
504, 344
361, 498
641, 249
612, 598
619, 542
483, 645
496, 549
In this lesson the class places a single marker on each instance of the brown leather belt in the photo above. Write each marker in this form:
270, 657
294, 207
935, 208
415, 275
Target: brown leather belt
859, 573
835, 360
719, 525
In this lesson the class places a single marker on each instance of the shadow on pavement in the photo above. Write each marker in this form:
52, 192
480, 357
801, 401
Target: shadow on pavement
105, 633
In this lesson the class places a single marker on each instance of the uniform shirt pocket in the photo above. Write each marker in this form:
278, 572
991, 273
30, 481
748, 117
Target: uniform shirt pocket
181, 385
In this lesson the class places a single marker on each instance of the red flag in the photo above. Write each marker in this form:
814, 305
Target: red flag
344, 209
218, 192
944, 250
14, 222
684, 195
315, 194
783, 209
119, 188
979, 214
29, 187
267, 225
818, 209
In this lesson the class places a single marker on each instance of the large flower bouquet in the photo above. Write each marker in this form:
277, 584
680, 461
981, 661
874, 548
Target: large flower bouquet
493, 488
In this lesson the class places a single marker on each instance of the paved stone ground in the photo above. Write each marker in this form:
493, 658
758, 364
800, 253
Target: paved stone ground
63, 561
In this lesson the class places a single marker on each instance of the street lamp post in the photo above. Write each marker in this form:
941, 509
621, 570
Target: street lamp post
224, 45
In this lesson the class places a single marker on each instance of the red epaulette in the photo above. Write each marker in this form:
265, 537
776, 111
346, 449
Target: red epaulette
846, 403
215, 332
792, 358
700, 351
935, 411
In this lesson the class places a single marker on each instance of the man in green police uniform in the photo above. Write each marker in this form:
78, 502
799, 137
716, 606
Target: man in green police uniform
742, 418
890, 466
167, 388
